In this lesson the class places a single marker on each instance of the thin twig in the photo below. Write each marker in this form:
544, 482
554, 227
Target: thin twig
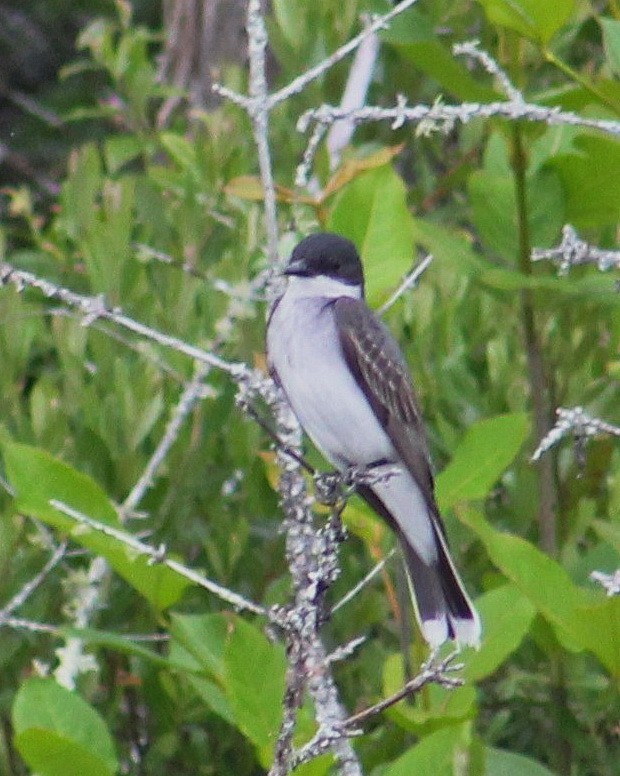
193, 392
94, 308
431, 673
158, 555
576, 422
354, 96
257, 43
26, 591
299, 84
19, 623
610, 582
572, 251
410, 281
363, 582
443, 118
471, 49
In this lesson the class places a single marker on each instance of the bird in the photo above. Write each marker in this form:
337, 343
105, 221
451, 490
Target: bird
347, 382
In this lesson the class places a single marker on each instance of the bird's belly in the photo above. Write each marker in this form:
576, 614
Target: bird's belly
324, 395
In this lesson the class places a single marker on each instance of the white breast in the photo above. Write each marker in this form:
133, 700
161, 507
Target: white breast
304, 349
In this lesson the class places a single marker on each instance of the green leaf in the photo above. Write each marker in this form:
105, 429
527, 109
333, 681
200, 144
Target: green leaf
255, 670
591, 179
80, 191
180, 149
597, 627
506, 616
579, 623
485, 452
38, 478
532, 18
120, 149
499, 762
107, 244
611, 42
291, 18
197, 649
494, 208
413, 34
433, 755
372, 211
118, 643
59, 734
202, 638
610, 532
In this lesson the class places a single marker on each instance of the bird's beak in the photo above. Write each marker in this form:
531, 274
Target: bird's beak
295, 268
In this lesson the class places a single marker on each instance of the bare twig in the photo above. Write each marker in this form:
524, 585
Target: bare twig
611, 582
259, 113
573, 251
299, 84
84, 601
346, 650
19, 623
580, 425
471, 49
443, 118
28, 589
363, 582
158, 555
94, 308
410, 281
432, 672
312, 559
192, 393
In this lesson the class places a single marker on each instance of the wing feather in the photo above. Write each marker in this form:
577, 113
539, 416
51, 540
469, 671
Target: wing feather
381, 371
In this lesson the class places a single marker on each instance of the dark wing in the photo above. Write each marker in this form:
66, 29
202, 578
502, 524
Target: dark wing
380, 369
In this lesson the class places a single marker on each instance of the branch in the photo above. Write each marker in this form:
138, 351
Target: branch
312, 557
363, 582
83, 603
259, 114
28, 589
580, 425
192, 393
410, 281
158, 555
299, 84
354, 96
432, 672
572, 252
611, 582
443, 118
94, 308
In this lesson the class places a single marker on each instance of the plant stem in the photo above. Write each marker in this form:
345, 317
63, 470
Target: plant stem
539, 391
536, 368
580, 79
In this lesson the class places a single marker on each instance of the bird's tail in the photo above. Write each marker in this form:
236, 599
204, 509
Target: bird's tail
442, 606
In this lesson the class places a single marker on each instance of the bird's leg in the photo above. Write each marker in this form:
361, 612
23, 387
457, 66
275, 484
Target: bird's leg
329, 487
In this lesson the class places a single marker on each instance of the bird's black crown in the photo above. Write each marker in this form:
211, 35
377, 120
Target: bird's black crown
328, 254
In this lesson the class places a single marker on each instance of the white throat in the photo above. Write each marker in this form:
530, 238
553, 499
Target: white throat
320, 286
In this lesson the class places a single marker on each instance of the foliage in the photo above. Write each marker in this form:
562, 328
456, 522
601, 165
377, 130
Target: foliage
84, 407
